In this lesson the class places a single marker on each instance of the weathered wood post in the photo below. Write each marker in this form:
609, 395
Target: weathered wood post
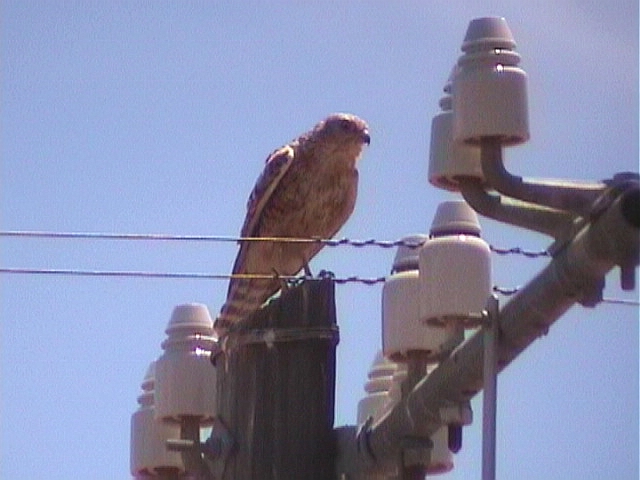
276, 387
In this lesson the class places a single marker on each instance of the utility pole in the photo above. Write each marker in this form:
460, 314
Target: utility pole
275, 387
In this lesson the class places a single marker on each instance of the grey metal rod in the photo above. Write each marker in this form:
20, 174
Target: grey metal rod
190, 433
555, 223
574, 196
490, 392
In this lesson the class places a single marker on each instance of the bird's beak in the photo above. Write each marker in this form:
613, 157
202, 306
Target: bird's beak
365, 137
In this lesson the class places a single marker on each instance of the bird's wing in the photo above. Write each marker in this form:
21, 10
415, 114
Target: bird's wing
275, 168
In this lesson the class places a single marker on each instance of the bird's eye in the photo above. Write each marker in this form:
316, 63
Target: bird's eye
346, 125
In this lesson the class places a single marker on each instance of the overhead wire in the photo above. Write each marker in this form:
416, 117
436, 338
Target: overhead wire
507, 292
234, 239
330, 242
184, 275
215, 238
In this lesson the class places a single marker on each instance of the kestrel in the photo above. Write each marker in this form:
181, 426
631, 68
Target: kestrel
307, 189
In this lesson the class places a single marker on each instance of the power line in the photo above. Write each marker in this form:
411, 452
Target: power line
182, 275
520, 251
214, 276
126, 273
233, 239
221, 238
201, 238
506, 291
621, 301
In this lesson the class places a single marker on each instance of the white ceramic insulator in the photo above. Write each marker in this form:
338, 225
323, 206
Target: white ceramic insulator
380, 379
455, 267
449, 160
185, 377
149, 453
490, 90
403, 331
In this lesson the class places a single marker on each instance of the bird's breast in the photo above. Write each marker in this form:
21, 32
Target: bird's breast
311, 201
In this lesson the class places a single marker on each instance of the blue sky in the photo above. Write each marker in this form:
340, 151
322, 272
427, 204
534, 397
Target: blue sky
155, 117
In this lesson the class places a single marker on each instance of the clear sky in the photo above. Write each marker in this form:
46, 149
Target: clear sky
156, 116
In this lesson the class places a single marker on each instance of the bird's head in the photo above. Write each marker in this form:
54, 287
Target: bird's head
342, 128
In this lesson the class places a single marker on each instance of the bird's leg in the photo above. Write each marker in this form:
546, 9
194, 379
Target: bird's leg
284, 283
307, 269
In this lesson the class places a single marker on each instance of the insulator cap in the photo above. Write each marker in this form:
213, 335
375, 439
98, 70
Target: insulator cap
454, 217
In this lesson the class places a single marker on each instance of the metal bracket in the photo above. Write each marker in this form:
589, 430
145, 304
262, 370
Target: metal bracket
203, 460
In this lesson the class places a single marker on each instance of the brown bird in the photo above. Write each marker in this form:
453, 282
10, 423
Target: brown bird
307, 189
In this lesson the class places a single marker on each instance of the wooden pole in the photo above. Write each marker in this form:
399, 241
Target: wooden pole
275, 387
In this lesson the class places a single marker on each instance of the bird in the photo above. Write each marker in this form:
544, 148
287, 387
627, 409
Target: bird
307, 189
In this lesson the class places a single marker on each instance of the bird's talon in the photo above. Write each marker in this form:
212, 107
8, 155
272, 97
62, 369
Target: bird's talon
326, 274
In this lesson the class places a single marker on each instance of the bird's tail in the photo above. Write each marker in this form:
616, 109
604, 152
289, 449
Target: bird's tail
245, 296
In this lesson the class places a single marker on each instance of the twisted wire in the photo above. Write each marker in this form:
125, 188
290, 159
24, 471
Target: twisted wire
329, 242
294, 279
